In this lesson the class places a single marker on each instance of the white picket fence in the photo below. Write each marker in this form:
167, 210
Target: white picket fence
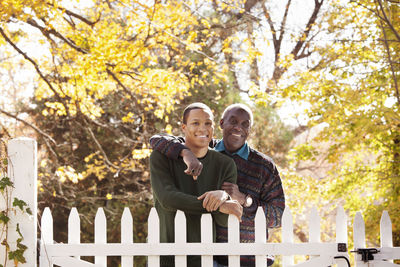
23, 171
61, 254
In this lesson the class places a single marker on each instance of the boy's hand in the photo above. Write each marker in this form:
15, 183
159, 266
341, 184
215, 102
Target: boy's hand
212, 200
194, 166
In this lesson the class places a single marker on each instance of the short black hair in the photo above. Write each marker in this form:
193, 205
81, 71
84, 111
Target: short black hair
196, 105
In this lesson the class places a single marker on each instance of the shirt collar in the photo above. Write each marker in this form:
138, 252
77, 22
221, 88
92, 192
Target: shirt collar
243, 152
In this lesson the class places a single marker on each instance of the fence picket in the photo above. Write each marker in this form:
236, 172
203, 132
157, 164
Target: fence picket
386, 230
287, 235
207, 238
180, 237
260, 235
74, 228
46, 237
153, 236
314, 226
359, 237
233, 239
341, 233
100, 235
126, 235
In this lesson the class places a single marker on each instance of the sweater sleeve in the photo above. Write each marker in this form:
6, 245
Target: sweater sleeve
168, 145
272, 198
165, 190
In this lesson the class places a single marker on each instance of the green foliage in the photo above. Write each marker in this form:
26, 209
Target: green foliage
6, 186
5, 182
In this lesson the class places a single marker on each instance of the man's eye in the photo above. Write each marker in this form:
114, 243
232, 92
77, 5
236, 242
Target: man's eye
246, 125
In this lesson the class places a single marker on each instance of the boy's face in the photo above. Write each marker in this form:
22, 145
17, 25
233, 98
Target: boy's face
199, 128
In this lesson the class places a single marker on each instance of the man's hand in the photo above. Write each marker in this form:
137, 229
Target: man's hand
194, 166
232, 207
212, 200
233, 191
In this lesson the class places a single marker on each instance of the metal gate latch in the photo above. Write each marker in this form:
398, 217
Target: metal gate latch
367, 254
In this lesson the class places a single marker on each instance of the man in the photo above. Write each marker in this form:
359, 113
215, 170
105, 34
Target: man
258, 182
173, 189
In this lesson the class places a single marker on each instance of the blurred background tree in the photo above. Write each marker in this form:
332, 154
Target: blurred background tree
103, 76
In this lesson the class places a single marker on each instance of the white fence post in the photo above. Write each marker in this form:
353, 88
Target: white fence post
100, 235
74, 228
260, 235
180, 237
153, 236
126, 235
22, 170
341, 233
233, 239
287, 235
359, 238
206, 237
46, 238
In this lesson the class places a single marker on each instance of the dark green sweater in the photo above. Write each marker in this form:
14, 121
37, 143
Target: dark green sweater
174, 190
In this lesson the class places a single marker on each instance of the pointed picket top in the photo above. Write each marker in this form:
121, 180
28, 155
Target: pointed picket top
126, 227
126, 235
260, 224
233, 238
153, 235
287, 226
180, 227
180, 236
287, 235
206, 237
341, 225
100, 235
386, 230
74, 227
233, 229
153, 227
314, 226
260, 234
359, 231
47, 227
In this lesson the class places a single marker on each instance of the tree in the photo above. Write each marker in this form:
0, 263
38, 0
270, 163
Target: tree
355, 94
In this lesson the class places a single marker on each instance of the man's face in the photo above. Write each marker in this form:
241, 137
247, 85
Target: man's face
199, 128
235, 128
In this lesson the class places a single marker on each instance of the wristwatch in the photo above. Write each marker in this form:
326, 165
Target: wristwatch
248, 201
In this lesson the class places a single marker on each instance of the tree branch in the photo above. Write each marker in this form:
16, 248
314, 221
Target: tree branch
47, 32
30, 125
387, 21
8, 40
391, 65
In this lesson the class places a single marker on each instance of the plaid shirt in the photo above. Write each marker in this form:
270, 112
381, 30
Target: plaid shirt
257, 176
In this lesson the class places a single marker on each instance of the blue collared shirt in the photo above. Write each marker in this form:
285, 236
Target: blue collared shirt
243, 152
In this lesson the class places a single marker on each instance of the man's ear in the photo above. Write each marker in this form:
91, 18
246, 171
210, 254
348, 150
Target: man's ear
221, 122
183, 127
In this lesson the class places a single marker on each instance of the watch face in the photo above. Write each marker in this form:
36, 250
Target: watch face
249, 201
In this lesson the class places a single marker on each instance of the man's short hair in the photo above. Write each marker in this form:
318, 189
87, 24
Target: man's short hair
196, 105
239, 106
